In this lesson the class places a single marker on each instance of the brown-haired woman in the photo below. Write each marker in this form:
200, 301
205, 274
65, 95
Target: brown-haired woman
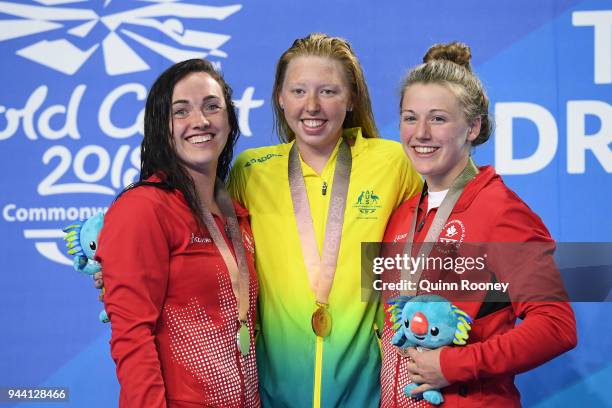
443, 114
180, 283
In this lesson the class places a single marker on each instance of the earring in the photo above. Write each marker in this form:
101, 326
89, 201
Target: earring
349, 109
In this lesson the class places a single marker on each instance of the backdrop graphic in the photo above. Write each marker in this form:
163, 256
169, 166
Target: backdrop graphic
74, 76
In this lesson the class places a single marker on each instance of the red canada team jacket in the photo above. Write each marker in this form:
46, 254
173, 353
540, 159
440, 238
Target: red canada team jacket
481, 373
172, 309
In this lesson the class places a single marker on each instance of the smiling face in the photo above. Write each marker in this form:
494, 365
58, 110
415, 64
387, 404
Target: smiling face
199, 122
314, 98
435, 134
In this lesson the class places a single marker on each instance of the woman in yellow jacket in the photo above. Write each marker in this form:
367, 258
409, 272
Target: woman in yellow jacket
313, 199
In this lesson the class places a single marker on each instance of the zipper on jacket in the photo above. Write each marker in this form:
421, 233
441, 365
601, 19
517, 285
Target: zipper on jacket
316, 398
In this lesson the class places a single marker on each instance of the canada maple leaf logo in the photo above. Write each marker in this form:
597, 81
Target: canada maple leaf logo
451, 231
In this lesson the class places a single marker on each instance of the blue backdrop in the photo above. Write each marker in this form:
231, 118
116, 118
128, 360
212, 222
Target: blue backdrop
74, 76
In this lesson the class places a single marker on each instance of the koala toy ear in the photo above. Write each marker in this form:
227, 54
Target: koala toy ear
464, 322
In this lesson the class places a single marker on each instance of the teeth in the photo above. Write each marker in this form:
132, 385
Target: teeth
313, 123
200, 139
425, 149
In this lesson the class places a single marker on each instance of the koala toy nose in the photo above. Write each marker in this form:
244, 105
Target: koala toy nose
419, 324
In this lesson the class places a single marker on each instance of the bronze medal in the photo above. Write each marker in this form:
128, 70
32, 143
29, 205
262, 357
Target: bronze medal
321, 321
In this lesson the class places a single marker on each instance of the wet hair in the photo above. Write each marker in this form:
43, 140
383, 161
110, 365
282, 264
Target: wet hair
449, 65
338, 49
158, 154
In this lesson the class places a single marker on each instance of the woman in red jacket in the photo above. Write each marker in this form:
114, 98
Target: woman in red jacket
444, 113
177, 255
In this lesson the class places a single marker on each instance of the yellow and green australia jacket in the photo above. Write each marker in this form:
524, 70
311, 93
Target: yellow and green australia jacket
297, 368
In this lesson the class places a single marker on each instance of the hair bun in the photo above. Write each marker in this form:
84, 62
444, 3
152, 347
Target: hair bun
456, 52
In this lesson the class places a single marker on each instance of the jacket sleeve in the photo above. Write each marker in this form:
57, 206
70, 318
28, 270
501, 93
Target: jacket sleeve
548, 328
134, 253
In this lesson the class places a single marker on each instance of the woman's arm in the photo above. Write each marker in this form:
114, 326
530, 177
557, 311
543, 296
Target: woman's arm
548, 330
134, 253
537, 296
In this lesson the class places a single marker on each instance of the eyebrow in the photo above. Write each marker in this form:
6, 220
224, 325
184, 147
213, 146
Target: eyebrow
207, 98
430, 111
304, 84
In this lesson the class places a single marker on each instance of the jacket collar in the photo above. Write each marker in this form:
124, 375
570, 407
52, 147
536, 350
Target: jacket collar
241, 212
483, 178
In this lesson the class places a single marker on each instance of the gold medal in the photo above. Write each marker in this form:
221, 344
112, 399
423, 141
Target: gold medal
321, 321
244, 339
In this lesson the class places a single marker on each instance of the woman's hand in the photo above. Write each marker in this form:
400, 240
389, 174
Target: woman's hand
424, 369
98, 281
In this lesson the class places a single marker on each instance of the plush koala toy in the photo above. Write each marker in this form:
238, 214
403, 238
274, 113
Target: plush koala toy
427, 321
82, 241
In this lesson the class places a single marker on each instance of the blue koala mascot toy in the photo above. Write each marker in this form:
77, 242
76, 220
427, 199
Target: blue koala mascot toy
427, 321
82, 241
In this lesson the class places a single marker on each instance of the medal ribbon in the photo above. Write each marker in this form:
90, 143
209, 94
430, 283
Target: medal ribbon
239, 272
321, 270
442, 214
